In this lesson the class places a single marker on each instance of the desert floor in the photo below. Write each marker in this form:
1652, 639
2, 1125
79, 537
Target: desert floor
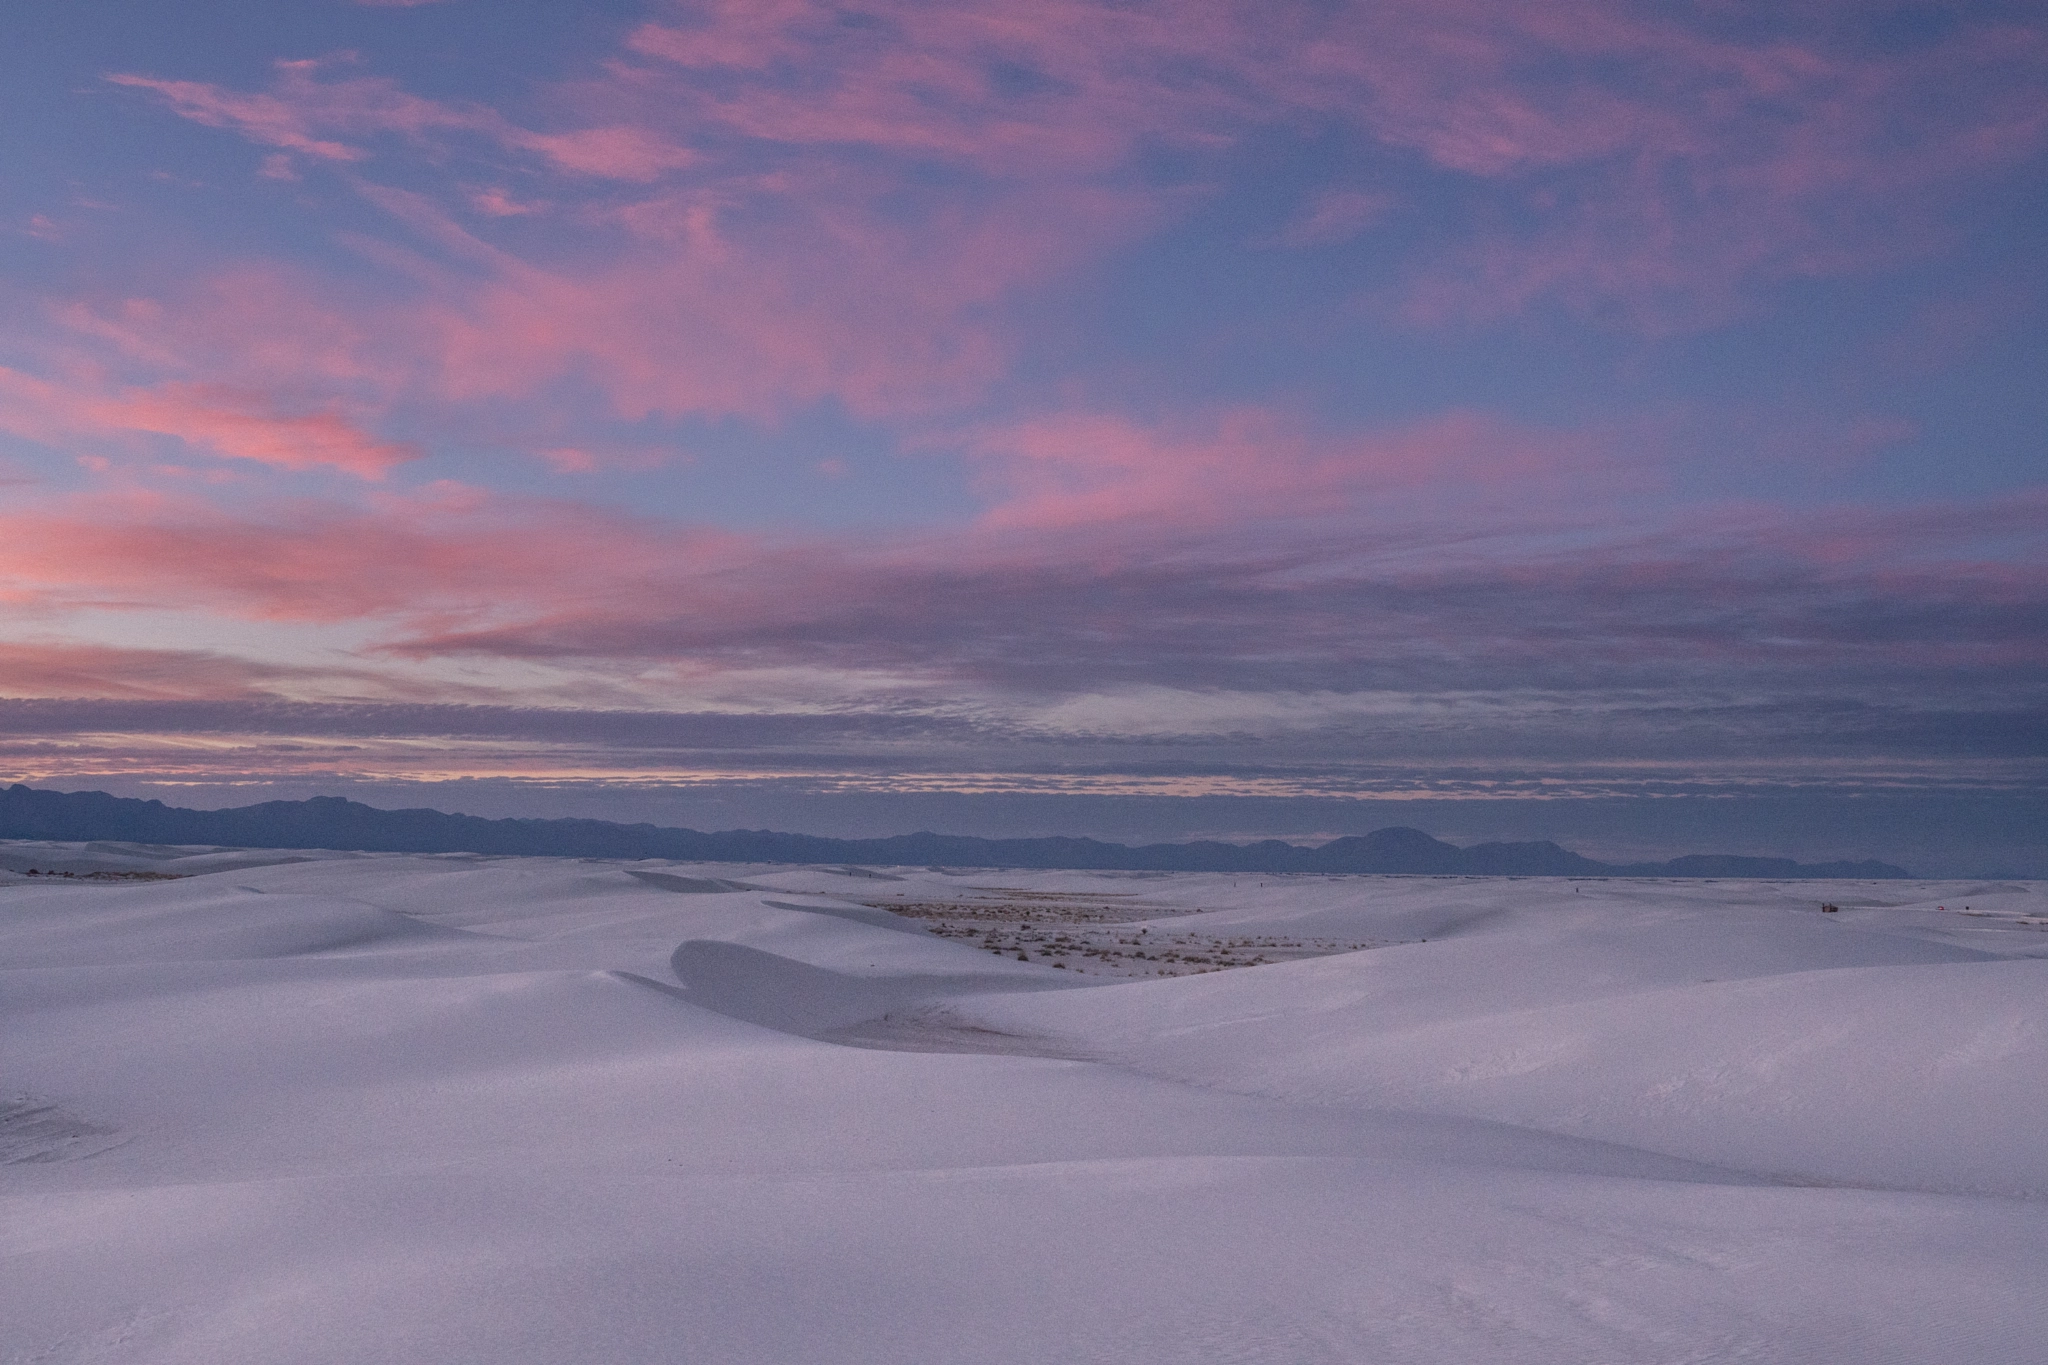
382, 1108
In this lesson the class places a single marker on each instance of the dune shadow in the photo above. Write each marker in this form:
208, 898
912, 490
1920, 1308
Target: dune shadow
689, 886
901, 1013
857, 914
35, 1132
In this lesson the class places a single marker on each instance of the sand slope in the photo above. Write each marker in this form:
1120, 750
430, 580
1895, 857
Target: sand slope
386, 1108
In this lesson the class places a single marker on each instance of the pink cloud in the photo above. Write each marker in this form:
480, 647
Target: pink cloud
32, 407
1067, 87
307, 114
254, 325
743, 34
277, 121
1265, 598
1665, 174
1746, 598
1669, 171
230, 423
60, 668
570, 460
498, 202
620, 153
1336, 216
1666, 195
753, 296
443, 552
590, 459
244, 427
1250, 464
757, 309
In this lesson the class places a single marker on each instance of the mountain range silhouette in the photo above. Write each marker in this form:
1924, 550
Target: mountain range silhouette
332, 822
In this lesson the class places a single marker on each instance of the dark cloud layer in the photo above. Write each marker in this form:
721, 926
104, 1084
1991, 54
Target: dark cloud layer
1481, 738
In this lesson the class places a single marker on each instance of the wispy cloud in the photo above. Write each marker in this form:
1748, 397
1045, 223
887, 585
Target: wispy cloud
307, 111
215, 420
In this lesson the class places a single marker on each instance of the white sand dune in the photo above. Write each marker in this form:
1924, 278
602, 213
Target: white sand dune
368, 1108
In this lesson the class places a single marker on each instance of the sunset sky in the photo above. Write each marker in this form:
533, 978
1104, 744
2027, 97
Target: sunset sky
1137, 419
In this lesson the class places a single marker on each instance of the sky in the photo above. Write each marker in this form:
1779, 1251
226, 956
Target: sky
1151, 419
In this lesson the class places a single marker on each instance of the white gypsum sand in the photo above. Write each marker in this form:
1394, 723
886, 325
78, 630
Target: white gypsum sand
378, 1108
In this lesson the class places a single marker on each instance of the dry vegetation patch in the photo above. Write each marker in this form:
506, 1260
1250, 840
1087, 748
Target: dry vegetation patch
1106, 933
